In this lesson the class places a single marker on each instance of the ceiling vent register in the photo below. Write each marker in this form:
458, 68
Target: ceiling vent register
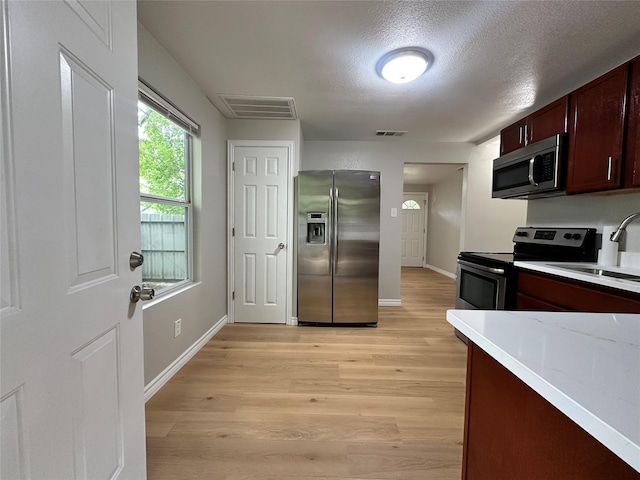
266, 108
390, 133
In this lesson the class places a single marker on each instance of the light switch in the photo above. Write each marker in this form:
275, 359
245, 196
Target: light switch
394, 212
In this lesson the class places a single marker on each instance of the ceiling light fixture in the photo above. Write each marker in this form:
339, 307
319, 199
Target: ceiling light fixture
404, 64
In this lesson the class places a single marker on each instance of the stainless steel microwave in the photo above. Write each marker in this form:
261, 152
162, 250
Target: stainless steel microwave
534, 171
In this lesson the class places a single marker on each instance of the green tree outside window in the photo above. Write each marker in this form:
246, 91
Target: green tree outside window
162, 155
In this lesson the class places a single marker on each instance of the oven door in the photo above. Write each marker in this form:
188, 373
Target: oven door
479, 287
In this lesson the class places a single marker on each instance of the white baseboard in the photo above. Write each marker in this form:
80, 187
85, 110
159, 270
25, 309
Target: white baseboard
157, 383
293, 321
389, 302
441, 271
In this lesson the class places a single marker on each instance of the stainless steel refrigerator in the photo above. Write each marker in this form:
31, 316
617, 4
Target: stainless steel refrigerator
338, 247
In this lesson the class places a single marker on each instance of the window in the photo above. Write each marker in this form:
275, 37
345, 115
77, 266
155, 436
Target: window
411, 205
165, 150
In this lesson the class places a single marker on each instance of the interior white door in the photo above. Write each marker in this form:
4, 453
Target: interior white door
72, 359
413, 230
260, 241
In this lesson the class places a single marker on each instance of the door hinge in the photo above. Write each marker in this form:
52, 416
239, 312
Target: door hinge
233, 166
233, 232
233, 295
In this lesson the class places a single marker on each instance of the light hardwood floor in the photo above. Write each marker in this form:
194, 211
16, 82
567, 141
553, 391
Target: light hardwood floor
280, 402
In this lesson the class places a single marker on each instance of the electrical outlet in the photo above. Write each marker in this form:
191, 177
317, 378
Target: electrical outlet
177, 328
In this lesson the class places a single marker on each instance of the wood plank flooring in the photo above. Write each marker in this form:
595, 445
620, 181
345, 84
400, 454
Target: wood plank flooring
314, 403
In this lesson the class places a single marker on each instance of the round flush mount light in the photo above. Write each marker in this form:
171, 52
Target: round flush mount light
404, 64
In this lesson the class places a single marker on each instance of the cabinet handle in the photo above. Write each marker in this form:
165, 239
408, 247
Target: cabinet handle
520, 135
609, 168
526, 140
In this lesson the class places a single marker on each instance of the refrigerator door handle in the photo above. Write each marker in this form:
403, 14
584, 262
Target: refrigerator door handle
335, 231
330, 227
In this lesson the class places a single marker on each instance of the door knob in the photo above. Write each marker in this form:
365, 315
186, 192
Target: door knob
135, 260
139, 293
281, 246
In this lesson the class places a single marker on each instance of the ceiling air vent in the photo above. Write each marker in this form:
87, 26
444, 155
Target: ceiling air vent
268, 108
390, 133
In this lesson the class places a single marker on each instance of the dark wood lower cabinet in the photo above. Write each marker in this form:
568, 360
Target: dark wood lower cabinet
526, 302
512, 433
539, 291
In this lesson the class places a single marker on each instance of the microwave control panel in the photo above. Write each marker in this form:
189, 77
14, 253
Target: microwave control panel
547, 166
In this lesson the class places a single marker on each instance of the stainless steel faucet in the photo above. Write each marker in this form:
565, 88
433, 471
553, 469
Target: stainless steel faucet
615, 236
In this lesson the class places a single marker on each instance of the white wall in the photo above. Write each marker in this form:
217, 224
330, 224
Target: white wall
388, 158
204, 303
414, 188
488, 223
589, 211
266, 130
445, 222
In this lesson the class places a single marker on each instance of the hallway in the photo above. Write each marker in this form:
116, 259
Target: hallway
281, 402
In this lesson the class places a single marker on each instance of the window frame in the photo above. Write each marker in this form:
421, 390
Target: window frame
154, 100
411, 206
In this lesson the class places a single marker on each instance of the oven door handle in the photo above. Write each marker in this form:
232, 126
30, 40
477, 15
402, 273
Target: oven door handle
497, 271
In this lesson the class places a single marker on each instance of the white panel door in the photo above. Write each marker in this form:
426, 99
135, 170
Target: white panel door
413, 230
260, 222
72, 359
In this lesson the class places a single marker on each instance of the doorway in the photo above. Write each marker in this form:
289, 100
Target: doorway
414, 229
260, 231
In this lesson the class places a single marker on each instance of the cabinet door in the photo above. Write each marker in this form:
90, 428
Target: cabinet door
596, 130
511, 432
548, 121
527, 302
632, 151
539, 291
512, 137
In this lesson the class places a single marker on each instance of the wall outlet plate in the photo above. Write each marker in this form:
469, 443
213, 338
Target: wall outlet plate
177, 328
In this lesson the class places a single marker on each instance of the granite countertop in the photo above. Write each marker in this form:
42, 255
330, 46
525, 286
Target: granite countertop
561, 270
585, 364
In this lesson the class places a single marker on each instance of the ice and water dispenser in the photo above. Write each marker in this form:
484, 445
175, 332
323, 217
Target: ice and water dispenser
316, 228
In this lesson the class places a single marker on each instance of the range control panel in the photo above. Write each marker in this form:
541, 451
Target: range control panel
561, 237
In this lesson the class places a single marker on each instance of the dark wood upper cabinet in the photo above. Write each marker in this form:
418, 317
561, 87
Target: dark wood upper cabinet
548, 121
632, 150
512, 137
544, 123
596, 133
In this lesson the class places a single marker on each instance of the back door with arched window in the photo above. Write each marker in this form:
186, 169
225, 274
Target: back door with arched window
413, 229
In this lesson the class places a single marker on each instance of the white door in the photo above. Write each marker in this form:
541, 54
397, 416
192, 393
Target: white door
413, 230
261, 219
72, 360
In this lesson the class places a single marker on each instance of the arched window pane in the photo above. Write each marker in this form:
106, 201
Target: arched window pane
411, 205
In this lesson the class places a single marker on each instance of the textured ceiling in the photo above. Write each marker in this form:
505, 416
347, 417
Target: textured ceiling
494, 61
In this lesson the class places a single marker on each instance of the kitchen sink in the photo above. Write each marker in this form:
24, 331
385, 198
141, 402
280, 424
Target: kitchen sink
601, 272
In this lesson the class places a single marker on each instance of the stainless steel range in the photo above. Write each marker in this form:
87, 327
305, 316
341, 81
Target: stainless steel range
488, 281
